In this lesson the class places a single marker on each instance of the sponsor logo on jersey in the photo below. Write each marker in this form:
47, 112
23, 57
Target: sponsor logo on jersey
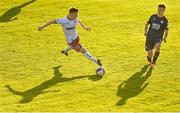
155, 26
162, 21
70, 28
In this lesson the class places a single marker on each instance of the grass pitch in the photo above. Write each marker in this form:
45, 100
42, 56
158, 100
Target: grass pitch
34, 75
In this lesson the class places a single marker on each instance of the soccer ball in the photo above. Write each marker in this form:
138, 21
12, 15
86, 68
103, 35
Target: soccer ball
100, 71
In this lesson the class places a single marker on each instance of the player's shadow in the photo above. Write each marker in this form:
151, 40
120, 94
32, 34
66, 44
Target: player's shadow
28, 95
134, 85
11, 13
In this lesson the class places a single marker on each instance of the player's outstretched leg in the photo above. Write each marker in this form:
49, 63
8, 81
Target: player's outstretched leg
65, 51
156, 54
89, 56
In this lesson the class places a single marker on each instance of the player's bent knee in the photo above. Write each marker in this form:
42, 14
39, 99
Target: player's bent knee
157, 49
150, 51
83, 50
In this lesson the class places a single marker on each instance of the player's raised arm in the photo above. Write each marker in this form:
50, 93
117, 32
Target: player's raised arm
47, 24
83, 26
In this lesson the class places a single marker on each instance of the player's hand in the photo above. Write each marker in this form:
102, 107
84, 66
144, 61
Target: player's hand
88, 29
164, 40
145, 34
40, 28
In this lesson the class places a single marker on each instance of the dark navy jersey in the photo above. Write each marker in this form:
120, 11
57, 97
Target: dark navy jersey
157, 26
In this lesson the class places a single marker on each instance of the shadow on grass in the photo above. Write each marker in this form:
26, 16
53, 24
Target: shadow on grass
134, 85
11, 13
28, 95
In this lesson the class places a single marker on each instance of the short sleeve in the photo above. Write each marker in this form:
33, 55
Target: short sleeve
60, 21
150, 20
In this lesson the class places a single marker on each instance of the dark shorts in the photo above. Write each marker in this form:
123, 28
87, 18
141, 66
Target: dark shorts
150, 43
75, 44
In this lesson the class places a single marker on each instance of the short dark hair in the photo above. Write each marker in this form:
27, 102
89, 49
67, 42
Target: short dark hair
73, 10
162, 5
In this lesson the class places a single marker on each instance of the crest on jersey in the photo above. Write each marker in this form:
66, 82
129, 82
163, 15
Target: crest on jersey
162, 21
154, 18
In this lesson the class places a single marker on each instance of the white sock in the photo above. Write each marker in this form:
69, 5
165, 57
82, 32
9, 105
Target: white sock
67, 49
90, 57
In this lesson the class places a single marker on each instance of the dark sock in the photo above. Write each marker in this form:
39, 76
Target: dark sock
149, 59
156, 54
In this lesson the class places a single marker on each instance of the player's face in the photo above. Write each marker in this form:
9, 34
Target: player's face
161, 10
74, 15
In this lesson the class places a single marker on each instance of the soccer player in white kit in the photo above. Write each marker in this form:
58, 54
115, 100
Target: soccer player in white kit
69, 27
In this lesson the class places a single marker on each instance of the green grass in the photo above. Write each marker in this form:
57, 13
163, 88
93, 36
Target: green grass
27, 57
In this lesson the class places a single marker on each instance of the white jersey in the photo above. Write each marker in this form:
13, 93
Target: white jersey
69, 27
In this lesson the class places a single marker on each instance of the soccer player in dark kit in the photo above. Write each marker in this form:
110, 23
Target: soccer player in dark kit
154, 35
